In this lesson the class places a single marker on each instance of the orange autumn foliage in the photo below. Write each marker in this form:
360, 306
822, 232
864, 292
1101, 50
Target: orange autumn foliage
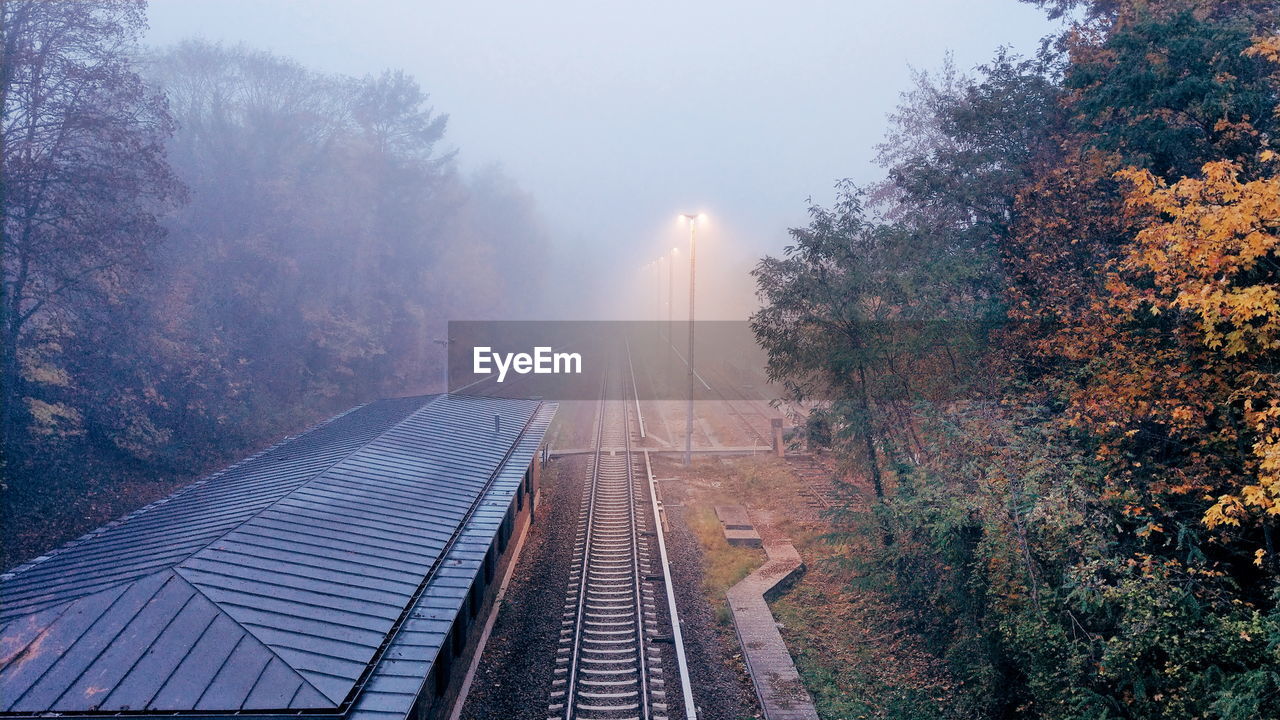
1152, 307
1209, 256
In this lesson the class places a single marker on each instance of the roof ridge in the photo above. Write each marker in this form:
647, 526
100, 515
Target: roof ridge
164, 576
313, 649
249, 633
180, 492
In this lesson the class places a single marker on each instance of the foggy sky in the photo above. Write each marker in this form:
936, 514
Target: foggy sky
616, 116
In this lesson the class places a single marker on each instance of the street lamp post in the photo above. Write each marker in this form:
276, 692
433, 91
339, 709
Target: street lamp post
671, 289
693, 259
657, 286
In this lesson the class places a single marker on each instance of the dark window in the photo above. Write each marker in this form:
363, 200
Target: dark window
437, 683
444, 663
459, 634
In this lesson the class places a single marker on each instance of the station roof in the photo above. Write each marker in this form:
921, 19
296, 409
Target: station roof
318, 577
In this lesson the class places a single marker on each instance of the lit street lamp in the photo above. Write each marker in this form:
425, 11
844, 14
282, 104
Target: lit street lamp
693, 257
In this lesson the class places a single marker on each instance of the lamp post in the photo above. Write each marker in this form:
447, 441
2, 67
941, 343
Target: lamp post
671, 289
657, 287
693, 259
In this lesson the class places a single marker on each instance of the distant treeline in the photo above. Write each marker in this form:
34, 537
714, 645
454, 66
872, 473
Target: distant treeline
1053, 334
206, 247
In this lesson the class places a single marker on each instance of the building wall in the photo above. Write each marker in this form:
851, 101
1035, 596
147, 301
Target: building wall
444, 682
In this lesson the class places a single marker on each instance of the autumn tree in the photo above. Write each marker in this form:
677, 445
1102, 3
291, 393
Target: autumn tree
1208, 259
1087, 529
84, 179
327, 234
1205, 260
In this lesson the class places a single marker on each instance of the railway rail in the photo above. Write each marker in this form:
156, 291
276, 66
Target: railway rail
761, 434
609, 664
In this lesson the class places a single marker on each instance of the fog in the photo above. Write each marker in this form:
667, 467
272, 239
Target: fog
614, 118
987, 326
228, 219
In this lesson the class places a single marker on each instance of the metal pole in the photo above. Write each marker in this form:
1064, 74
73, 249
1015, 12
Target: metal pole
671, 308
657, 286
688, 424
671, 288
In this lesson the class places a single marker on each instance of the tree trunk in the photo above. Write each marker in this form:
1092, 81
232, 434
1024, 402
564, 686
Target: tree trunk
868, 436
869, 444
8, 355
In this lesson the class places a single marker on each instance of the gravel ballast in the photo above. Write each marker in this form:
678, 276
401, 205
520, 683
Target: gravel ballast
722, 689
513, 679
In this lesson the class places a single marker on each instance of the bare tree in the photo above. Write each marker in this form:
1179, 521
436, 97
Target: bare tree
84, 172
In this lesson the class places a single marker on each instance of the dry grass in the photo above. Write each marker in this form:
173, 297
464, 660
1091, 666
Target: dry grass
855, 658
724, 564
852, 652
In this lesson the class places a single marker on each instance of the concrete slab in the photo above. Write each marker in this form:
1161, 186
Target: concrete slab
734, 517
777, 682
743, 538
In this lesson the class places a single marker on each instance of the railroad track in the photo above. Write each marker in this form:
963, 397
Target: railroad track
762, 436
817, 481
607, 665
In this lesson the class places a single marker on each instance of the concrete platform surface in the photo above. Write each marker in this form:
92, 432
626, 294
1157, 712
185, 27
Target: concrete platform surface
778, 685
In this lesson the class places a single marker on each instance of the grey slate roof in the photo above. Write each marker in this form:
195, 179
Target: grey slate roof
321, 575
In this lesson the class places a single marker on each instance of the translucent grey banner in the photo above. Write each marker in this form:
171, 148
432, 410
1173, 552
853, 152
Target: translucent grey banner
568, 360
